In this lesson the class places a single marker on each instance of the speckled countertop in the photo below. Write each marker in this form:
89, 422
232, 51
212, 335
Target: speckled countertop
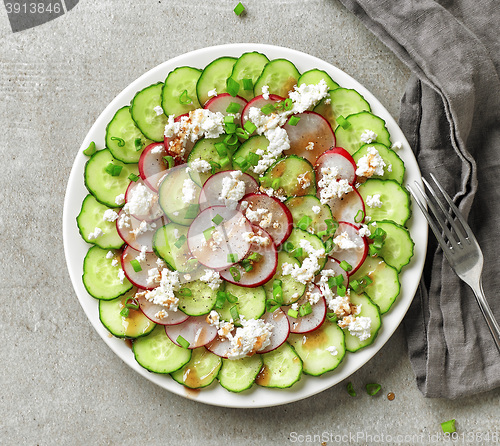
60, 384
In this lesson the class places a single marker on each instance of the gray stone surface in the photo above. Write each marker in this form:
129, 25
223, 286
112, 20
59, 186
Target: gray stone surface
59, 383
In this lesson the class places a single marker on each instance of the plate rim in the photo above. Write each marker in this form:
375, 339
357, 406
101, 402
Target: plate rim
215, 394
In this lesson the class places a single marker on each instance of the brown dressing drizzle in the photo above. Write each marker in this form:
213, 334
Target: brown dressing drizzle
263, 377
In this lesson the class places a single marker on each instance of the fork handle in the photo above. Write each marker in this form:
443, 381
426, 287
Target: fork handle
487, 313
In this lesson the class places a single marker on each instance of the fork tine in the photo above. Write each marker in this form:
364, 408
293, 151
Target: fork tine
432, 224
458, 214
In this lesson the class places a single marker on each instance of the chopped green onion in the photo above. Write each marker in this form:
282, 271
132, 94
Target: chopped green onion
90, 150
329, 245
268, 109
276, 183
305, 309
332, 317
231, 257
278, 295
359, 217
231, 140
331, 226
379, 234
294, 120
335, 281
168, 161
271, 306
344, 123
449, 426
287, 104
304, 222
250, 127
185, 292
220, 299
192, 211
265, 181
233, 311
213, 166
321, 233
138, 144
231, 298
345, 266
182, 342
247, 84
229, 119
365, 280
293, 313
221, 148
184, 98
121, 142
255, 257
207, 233
224, 162
235, 273
373, 388
248, 267
277, 283
341, 290
350, 389
218, 219
288, 247
133, 177
181, 240
233, 107
230, 128
298, 252
242, 133
136, 265
242, 163
232, 87
113, 169
253, 158
373, 250
125, 312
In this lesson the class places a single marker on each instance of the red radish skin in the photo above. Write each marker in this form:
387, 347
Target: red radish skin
342, 160
263, 270
151, 165
355, 256
259, 102
155, 210
142, 239
221, 102
281, 224
280, 332
311, 128
139, 279
196, 330
150, 310
348, 208
310, 322
211, 190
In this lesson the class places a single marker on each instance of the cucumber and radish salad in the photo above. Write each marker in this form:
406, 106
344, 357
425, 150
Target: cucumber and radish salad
246, 224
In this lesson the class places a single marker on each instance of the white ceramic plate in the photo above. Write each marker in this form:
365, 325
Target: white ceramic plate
75, 248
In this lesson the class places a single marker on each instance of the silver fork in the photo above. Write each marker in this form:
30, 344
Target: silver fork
459, 246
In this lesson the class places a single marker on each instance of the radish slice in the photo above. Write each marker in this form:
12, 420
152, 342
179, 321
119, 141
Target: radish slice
348, 207
144, 193
259, 102
220, 103
310, 137
334, 265
151, 311
339, 159
348, 233
219, 347
281, 329
139, 278
226, 244
175, 150
270, 214
151, 164
135, 232
262, 270
305, 324
196, 330
210, 194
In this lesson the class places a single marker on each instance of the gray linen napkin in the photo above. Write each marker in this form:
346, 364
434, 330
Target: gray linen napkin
450, 114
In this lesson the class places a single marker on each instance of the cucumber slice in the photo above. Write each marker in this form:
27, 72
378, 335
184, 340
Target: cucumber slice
314, 76
251, 302
295, 174
296, 236
177, 258
394, 198
303, 207
248, 66
390, 157
292, 289
368, 309
145, 117
350, 137
123, 137
158, 354
385, 285
200, 371
171, 196
178, 81
100, 277
280, 75
282, 368
237, 375
312, 348
200, 302
103, 186
205, 149
398, 246
251, 145
341, 102
133, 326
214, 76
91, 217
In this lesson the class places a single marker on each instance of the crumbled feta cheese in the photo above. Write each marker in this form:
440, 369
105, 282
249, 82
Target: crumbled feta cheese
307, 95
397, 145
110, 255
233, 189
255, 239
121, 275
97, 233
278, 193
115, 262
124, 220
120, 199
304, 180
342, 241
143, 227
142, 201
370, 164
373, 201
164, 294
305, 273
316, 209
252, 336
261, 217
109, 215
330, 186
160, 263
310, 146
154, 276
212, 93
198, 165
327, 101
212, 279
142, 254
188, 191
368, 136
158, 110
364, 231
333, 350
162, 314
265, 92
158, 149
357, 326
